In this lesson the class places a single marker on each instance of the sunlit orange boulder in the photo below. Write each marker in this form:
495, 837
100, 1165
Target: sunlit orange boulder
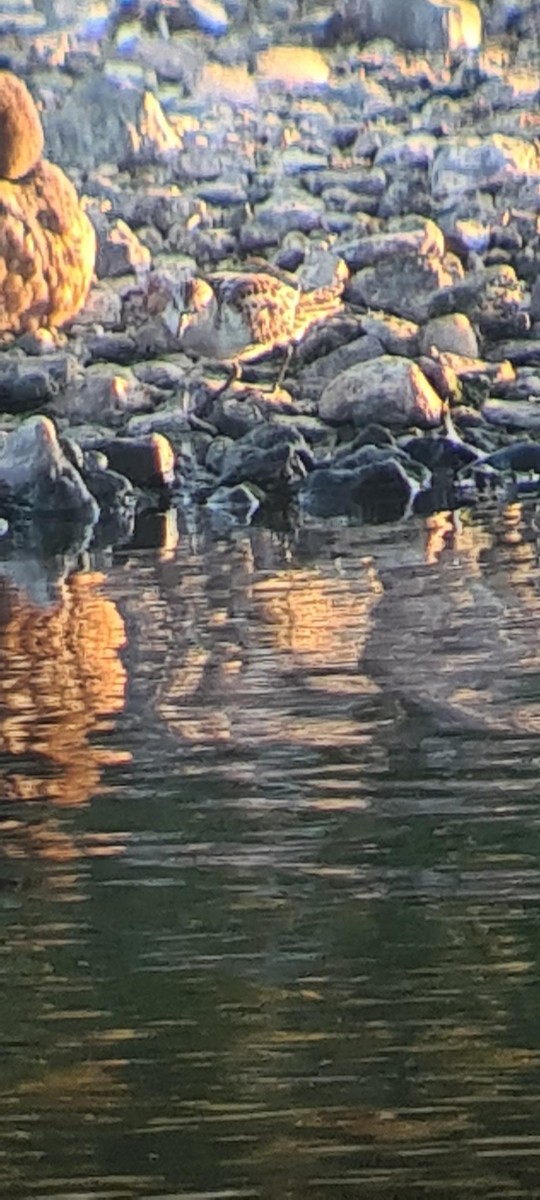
47, 243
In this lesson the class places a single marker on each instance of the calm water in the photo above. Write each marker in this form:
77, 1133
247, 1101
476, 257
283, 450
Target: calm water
270, 867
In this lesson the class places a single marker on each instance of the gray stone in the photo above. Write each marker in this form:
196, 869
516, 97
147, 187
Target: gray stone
100, 121
418, 25
268, 455
494, 299
103, 395
517, 414
395, 334
233, 506
37, 479
453, 333
403, 286
313, 379
377, 492
467, 163
411, 236
119, 250
389, 390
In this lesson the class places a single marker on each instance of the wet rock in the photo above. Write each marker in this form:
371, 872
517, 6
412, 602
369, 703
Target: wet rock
234, 416
215, 455
147, 462
440, 453
390, 390
518, 456
37, 479
233, 506
376, 492
273, 457
116, 499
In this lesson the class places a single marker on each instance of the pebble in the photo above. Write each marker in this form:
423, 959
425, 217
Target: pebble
204, 143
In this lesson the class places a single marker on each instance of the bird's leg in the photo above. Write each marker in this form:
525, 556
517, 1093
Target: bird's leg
235, 374
284, 367
450, 430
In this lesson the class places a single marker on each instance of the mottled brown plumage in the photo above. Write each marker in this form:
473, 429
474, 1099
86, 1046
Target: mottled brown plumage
47, 243
238, 317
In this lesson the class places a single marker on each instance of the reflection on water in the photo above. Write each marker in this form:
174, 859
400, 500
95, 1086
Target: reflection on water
269, 869
61, 678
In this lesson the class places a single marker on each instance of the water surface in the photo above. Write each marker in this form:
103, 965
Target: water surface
269, 869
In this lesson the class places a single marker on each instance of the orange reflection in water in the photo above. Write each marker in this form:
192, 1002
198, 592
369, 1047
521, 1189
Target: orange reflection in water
61, 680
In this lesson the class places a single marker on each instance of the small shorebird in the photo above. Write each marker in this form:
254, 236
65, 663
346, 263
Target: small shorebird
47, 243
239, 317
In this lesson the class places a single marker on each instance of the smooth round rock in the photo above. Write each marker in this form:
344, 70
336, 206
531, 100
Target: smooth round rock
21, 135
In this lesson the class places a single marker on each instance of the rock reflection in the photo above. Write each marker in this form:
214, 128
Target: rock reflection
454, 633
244, 637
61, 683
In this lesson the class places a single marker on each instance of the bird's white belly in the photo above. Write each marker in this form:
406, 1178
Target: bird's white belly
212, 338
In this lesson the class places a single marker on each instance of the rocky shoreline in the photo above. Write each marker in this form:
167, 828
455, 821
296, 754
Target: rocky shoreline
207, 137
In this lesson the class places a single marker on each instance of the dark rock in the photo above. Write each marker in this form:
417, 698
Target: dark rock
233, 417
377, 492
373, 435
116, 499
313, 378
24, 388
440, 453
518, 456
272, 457
233, 506
147, 462
37, 478
368, 455
113, 347
513, 414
